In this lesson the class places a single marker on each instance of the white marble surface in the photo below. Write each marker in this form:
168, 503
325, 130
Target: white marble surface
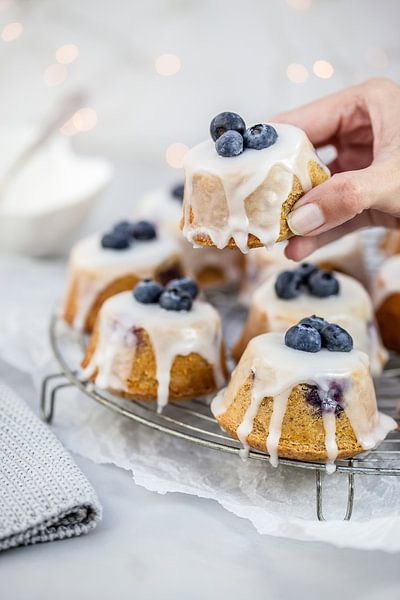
180, 547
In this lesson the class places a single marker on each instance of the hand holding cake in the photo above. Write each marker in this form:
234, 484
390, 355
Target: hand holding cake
363, 124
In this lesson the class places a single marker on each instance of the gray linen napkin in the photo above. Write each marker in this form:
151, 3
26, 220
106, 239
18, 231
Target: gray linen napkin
43, 494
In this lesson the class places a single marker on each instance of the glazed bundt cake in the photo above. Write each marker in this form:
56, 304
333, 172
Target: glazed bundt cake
387, 302
241, 185
345, 255
210, 267
101, 266
286, 298
157, 344
307, 395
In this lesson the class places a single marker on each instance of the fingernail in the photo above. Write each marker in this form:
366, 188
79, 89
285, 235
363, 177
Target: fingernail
305, 219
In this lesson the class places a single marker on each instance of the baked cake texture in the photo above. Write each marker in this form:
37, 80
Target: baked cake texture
275, 308
211, 267
156, 350
386, 296
96, 272
243, 200
304, 405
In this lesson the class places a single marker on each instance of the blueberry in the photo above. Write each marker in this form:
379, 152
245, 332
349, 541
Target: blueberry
303, 337
229, 144
260, 136
115, 241
148, 291
226, 121
288, 285
306, 270
144, 230
317, 322
329, 401
124, 228
336, 339
186, 285
175, 299
177, 191
323, 284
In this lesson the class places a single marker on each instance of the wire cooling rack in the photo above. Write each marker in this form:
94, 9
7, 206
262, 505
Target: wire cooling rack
193, 421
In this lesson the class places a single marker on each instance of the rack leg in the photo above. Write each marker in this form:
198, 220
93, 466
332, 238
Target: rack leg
350, 496
47, 401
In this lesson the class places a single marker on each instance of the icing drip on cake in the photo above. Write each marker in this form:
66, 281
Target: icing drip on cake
276, 369
161, 208
171, 334
97, 267
351, 309
240, 176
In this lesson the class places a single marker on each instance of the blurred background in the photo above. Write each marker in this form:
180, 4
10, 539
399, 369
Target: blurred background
153, 74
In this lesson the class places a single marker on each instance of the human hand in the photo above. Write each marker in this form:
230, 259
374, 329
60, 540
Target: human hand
363, 124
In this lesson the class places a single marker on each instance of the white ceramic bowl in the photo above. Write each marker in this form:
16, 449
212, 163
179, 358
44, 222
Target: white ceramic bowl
47, 204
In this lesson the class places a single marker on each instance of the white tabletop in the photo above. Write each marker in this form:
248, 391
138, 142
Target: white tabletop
178, 546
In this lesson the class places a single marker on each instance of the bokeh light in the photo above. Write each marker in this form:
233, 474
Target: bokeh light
85, 119
323, 69
297, 73
300, 4
167, 64
12, 31
66, 54
175, 154
55, 74
377, 58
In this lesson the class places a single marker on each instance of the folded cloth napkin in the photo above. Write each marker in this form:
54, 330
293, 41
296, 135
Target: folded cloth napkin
43, 494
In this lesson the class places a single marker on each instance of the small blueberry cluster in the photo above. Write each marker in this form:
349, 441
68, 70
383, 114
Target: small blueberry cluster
228, 130
177, 191
313, 333
319, 283
177, 295
124, 233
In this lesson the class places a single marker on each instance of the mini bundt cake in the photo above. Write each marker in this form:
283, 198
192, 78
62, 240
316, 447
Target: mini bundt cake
386, 296
345, 255
307, 395
157, 344
286, 298
101, 266
210, 267
241, 185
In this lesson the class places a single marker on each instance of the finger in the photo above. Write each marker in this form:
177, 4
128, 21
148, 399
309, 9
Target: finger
334, 202
299, 248
321, 120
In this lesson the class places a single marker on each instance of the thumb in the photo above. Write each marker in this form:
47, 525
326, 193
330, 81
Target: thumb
333, 203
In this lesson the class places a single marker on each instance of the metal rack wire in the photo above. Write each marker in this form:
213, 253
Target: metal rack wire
193, 421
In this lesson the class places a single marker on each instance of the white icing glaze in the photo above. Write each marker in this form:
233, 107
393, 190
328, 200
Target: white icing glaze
97, 267
387, 281
160, 207
351, 309
171, 333
277, 369
345, 254
240, 177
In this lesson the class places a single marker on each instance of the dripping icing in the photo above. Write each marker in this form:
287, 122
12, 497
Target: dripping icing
240, 176
171, 334
96, 267
276, 369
